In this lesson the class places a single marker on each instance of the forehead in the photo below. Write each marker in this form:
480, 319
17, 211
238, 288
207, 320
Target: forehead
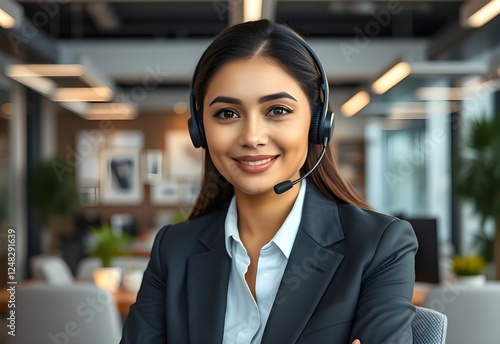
252, 78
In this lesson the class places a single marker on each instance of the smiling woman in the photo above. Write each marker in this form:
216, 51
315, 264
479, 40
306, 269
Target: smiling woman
308, 263
256, 124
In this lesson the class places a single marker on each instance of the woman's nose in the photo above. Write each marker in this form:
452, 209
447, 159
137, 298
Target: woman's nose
254, 131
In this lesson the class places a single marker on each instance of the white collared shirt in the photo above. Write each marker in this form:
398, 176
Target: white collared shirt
246, 319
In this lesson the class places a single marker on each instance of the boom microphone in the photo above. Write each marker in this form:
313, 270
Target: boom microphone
287, 184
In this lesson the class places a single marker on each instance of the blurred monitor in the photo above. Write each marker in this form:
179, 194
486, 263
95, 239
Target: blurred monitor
427, 257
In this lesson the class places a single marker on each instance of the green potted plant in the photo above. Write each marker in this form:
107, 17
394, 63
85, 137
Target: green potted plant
469, 270
484, 242
52, 191
479, 177
107, 245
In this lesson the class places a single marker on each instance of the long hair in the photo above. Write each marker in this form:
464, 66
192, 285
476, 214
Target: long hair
280, 45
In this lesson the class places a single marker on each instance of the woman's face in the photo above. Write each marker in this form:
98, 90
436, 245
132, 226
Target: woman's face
256, 120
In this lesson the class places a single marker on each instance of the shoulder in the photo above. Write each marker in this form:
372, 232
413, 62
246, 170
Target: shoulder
368, 228
326, 216
369, 222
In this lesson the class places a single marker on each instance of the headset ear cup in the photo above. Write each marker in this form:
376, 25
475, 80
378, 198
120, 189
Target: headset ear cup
314, 128
201, 131
327, 126
195, 123
197, 136
193, 132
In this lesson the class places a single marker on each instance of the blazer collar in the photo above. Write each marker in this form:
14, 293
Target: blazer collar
310, 268
320, 218
207, 283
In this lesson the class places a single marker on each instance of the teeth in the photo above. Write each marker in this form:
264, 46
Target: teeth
256, 163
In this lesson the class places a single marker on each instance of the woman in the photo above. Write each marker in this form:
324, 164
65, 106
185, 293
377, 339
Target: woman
310, 265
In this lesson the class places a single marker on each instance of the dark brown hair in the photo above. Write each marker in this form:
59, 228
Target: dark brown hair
280, 44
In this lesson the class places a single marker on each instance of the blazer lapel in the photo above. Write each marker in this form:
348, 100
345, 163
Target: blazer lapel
208, 276
310, 268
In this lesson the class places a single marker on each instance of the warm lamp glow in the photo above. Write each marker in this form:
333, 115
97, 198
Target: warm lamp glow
54, 70
484, 14
6, 21
108, 278
102, 111
82, 94
36, 82
7, 109
180, 108
356, 103
390, 78
252, 10
441, 93
111, 111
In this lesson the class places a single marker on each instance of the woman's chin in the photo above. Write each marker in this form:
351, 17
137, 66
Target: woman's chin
258, 189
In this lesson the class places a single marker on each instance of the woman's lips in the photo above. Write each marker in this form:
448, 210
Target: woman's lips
255, 163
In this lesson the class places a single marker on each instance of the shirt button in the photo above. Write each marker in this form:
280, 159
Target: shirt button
266, 275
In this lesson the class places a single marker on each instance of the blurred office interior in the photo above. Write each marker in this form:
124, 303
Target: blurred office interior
99, 91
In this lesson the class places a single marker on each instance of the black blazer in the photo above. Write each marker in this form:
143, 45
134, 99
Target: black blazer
350, 275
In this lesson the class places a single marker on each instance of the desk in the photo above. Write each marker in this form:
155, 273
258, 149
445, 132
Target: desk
123, 299
419, 296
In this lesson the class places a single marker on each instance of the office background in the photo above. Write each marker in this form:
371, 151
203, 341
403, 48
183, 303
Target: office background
102, 84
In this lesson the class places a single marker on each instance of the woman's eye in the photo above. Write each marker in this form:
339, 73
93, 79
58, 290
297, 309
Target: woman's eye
226, 114
279, 111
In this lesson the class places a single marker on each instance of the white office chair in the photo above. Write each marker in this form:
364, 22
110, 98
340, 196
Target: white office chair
473, 312
429, 327
51, 269
86, 268
78, 313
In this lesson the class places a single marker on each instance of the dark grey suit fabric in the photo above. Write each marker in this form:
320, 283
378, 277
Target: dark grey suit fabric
350, 275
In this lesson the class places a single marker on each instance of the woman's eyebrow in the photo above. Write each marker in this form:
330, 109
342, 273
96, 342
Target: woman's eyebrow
275, 96
263, 99
224, 99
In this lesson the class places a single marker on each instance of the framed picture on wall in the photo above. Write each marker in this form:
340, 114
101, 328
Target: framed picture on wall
89, 196
88, 146
189, 192
120, 177
153, 162
184, 162
166, 193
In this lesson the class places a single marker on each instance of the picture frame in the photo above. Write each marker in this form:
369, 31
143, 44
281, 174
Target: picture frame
189, 192
153, 166
89, 196
166, 193
120, 177
88, 147
184, 161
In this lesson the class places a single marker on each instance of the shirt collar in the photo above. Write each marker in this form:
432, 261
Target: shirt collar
284, 238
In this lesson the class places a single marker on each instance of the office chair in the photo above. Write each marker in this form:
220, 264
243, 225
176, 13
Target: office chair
51, 269
472, 311
429, 327
78, 313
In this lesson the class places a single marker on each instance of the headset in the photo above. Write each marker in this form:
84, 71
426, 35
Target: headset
320, 130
